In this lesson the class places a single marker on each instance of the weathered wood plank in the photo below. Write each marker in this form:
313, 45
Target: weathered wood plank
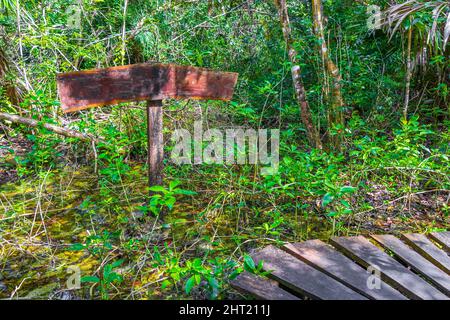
326, 259
443, 238
85, 89
261, 288
429, 250
302, 278
367, 254
418, 263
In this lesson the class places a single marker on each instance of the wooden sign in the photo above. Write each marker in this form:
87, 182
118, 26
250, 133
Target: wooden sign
151, 82
100, 87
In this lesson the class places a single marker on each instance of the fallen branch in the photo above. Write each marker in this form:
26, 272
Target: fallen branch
34, 123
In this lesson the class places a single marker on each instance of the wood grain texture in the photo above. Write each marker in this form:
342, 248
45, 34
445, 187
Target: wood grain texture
85, 89
326, 259
261, 288
443, 238
417, 262
155, 153
302, 278
429, 250
361, 250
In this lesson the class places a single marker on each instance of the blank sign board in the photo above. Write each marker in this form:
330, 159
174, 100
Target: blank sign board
99, 87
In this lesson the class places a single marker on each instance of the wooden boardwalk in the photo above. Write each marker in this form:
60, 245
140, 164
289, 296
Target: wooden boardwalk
383, 267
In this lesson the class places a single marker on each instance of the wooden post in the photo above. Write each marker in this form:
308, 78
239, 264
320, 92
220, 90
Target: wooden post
155, 143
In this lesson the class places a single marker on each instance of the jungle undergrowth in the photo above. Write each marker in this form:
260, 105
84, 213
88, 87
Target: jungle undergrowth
105, 223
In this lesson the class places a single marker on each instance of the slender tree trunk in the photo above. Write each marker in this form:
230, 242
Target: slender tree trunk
124, 43
408, 74
335, 115
305, 111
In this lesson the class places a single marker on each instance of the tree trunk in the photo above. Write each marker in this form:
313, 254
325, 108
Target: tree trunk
335, 115
305, 112
408, 73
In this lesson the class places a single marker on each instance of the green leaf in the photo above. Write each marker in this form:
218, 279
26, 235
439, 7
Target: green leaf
345, 203
213, 283
189, 284
107, 270
175, 276
249, 264
234, 274
260, 265
348, 189
347, 211
173, 184
158, 189
185, 192
117, 263
76, 247
332, 214
198, 279
93, 279
165, 284
170, 202
197, 263
327, 199
114, 277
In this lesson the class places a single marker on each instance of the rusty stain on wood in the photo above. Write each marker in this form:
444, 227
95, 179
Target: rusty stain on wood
99, 87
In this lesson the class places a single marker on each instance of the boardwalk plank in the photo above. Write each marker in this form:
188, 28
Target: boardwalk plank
429, 250
302, 278
443, 238
261, 288
361, 250
326, 259
417, 262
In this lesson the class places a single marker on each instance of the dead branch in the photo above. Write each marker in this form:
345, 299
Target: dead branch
59, 130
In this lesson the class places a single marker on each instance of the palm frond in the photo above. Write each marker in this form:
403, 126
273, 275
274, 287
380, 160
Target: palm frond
447, 30
436, 34
7, 5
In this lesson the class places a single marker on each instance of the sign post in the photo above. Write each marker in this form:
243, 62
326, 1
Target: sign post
155, 142
144, 82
